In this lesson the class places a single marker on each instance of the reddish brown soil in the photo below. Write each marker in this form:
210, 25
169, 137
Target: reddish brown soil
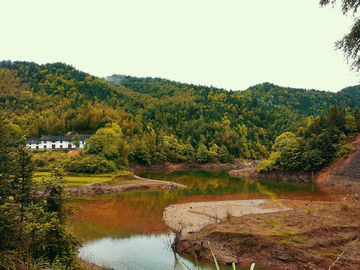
73, 153
345, 172
310, 237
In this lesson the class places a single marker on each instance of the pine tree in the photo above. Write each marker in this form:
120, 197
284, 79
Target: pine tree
223, 154
202, 154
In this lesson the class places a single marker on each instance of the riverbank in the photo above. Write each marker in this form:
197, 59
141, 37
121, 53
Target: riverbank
137, 183
294, 235
167, 166
190, 218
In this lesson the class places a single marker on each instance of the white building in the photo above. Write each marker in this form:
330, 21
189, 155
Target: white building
54, 142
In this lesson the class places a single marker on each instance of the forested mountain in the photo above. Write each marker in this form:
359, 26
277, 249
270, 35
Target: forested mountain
156, 120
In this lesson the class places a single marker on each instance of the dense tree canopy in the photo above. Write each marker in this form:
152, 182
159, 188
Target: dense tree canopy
153, 120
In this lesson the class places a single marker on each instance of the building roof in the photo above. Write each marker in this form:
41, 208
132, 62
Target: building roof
33, 140
55, 138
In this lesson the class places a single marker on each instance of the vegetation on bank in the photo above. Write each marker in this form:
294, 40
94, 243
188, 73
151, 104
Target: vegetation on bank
315, 145
32, 226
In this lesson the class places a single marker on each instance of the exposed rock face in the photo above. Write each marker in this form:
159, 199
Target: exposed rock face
275, 175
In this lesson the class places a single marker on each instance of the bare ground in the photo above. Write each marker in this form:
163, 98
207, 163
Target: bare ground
309, 237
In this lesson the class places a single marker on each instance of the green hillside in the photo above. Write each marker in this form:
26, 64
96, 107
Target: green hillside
155, 120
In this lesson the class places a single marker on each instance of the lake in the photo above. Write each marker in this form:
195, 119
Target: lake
125, 231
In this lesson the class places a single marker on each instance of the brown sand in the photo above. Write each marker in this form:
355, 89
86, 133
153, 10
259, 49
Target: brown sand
192, 217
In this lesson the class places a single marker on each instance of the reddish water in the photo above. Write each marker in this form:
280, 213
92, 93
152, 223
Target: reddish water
120, 221
143, 214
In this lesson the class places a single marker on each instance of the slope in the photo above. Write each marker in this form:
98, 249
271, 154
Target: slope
345, 172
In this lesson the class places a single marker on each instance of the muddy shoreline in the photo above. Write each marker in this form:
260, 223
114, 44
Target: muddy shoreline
257, 247
251, 233
167, 166
138, 184
237, 168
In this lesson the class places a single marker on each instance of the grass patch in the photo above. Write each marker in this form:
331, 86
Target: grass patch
287, 236
321, 207
229, 215
329, 255
285, 242
298, 239
344, 206
122, 177
273, 223
307, 210
84, 180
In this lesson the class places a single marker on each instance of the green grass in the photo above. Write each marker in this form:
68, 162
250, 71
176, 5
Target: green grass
121, 177
273, 223
84, 180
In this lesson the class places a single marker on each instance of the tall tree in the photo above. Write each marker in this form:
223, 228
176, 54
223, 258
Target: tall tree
350, 43
32, 228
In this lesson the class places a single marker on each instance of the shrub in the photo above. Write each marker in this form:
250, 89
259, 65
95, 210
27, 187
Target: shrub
51, 158
92, 164
39, 161
273, 223
344, 206
121, 176
229, 215
344, 150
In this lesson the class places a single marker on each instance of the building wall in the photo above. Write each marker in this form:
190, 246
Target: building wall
57, 145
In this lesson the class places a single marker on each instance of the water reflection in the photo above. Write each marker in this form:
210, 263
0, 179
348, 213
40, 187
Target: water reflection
132, 253
125, 231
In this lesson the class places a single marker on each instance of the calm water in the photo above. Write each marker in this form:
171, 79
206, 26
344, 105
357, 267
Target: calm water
125, 231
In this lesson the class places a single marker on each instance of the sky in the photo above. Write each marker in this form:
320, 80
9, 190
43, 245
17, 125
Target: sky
229, 44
